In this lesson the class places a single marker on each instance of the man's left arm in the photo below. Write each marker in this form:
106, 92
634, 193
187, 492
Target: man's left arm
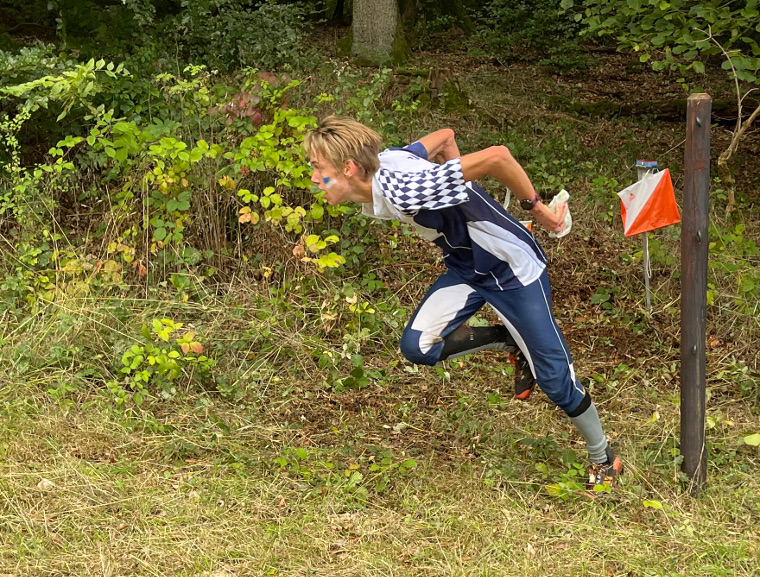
440, 145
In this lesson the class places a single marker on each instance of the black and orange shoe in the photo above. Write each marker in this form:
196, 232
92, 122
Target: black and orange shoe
604, 475
524, 381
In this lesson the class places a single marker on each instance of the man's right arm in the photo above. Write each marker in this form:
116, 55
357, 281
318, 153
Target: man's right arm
498, 162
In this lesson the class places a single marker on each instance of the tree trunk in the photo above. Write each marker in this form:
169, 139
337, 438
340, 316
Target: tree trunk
378, 37
337, 16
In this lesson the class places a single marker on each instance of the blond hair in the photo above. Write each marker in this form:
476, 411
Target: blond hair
339, 139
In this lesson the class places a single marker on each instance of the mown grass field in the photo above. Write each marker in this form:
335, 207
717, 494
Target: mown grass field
287, 469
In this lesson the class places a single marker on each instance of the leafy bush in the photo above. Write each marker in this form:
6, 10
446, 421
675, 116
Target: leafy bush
159, 362
523, 29
679, 34
224, 35
175, 199
30, 63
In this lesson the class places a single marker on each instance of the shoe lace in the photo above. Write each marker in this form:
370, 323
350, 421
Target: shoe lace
597, 473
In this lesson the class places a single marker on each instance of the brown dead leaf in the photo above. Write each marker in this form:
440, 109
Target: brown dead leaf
339, 545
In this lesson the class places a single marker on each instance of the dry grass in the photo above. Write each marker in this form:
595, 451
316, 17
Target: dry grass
82, 494
166, 490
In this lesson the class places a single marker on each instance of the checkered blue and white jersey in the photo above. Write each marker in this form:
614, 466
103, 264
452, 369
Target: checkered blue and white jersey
480, 240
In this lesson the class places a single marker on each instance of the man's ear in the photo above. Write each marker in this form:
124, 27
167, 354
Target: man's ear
349, 168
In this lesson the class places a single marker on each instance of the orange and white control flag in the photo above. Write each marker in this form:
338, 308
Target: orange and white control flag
649, 204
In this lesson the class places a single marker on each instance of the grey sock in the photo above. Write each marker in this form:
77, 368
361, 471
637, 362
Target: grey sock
591, 428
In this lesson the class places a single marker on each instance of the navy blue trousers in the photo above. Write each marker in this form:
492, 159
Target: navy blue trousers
527, 314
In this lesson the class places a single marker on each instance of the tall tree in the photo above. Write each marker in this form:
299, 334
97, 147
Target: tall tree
378, 36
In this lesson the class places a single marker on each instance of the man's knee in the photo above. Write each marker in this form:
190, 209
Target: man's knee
412, 350
501, 153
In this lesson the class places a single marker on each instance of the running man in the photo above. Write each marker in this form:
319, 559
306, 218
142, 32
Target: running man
490, 258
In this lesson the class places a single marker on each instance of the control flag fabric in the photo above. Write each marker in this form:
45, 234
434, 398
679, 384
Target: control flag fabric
649, 204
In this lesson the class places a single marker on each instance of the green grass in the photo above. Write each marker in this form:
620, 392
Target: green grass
121, 505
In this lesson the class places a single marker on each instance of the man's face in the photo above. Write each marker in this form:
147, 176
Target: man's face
336, 188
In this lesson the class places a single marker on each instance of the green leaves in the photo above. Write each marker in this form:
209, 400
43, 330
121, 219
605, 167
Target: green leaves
330, 260
182, 202
154, 366
76, 84
752, 440
314, 244
679, 33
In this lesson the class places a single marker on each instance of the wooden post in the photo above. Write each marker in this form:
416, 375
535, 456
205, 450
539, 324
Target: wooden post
694, 245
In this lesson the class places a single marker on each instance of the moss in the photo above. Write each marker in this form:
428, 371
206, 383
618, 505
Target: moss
344, 44
400, 51
603, 108
454, 100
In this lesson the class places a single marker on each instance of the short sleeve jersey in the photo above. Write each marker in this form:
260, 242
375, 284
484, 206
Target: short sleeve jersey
481, 242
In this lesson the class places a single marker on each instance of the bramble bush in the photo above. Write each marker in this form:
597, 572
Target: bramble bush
168, 186
160, 362
215, 167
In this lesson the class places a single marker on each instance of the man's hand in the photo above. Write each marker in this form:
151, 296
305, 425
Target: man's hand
551, 221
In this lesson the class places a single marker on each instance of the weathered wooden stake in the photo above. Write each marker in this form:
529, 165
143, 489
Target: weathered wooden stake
694, 245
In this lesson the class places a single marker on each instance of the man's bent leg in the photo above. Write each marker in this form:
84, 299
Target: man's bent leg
467, 340
446, 306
